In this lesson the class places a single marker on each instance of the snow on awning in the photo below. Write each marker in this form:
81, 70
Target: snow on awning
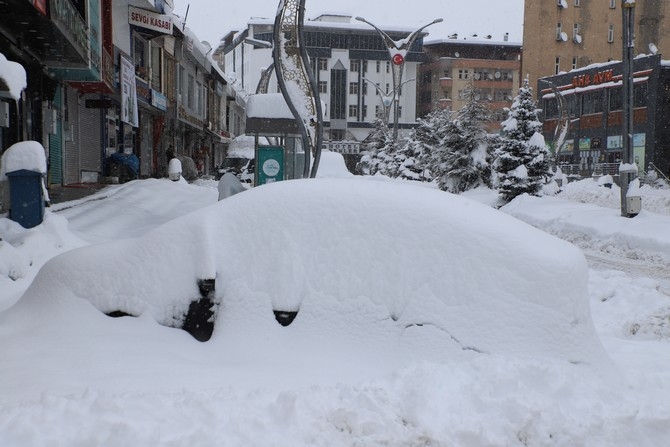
12, 77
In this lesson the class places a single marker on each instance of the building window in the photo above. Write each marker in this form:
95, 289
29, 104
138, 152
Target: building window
353, 88
323, 86
577, 2
353, 111
323, 64
141, 57
399, 111
365, 67
379, 66
354, 66
463, 74
616, 99
378, 112
592, 102
190, 88
610, 33
377, 89
575, 33
574, 63
640, 95
387, 89
388, 66
180, 81
365, 88
612, 4
557, 66
364, 112
559, 31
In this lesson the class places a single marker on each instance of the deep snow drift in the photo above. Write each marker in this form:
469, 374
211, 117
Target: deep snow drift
355, 367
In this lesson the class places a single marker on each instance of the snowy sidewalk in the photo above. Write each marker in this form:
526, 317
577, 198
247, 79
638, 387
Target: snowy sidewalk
589, 226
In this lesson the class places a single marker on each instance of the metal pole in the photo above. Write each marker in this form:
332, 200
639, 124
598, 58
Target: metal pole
626, 175
398, 50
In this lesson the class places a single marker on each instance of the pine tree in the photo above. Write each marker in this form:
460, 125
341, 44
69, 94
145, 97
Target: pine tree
460, 160
408, 160
375, 150
521, 157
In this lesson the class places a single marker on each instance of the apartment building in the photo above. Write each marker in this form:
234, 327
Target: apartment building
351, 65
564, 35
493, 68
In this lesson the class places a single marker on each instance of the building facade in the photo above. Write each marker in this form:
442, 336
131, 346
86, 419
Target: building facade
493, 69
563, 35
110, 81
352, 67
593, 101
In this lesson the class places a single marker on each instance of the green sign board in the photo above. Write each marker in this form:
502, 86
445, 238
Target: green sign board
269, 164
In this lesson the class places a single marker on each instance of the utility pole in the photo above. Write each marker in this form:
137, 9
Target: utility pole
630, 205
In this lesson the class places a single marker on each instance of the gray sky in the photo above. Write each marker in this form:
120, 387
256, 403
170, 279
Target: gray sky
211, 19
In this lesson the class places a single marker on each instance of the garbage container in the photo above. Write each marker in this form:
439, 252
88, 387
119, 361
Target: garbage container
26, 199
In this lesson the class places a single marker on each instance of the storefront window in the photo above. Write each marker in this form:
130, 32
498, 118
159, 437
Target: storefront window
592, 102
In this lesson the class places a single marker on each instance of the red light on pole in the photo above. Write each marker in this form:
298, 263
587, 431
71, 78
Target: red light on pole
398, 59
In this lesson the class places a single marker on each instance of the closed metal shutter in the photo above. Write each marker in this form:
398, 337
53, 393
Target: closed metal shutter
83, 140
90, 121
55, 143
70, 140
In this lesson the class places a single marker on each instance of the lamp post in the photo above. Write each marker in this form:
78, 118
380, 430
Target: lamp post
398, 51
387, 98
630, 206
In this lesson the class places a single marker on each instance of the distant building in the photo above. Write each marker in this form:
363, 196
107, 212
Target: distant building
350, 62
593, 101
492, 68
563, 35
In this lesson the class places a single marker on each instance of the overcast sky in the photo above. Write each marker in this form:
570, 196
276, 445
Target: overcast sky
212, 19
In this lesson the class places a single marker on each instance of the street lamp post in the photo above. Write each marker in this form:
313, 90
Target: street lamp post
398, 51
388, 98
630, 206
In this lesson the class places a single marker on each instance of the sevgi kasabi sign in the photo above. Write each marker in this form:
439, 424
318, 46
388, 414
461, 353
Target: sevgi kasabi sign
150, 20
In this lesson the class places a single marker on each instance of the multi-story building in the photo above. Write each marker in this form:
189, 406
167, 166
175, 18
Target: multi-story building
563, 35
593, 101
351, 64
491, 67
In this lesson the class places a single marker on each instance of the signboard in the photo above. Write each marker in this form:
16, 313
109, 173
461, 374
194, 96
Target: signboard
158, 100
342, 147
40, 5
270, 164
150, 20
99, 103
69, 21
639, 139
614, 142
128, 92
584, 144
568, 146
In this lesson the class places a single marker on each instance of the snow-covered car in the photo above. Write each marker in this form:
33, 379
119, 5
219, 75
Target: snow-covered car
385, 268
242, 168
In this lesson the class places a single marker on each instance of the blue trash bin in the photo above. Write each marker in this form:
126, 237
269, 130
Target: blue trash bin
26, 198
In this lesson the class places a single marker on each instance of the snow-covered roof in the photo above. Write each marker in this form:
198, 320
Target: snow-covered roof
14, 76
268, 105
472, 41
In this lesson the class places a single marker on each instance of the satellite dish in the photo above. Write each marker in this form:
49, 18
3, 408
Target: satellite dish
478, 76
457, 54
490, 97
563, 4
577, 38
652, 48
498, 75
564, 36
491, 76
477, 97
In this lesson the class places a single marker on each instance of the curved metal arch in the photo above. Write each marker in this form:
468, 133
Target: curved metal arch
296, 80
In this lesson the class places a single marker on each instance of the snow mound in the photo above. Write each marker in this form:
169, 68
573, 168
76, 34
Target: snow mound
312, 247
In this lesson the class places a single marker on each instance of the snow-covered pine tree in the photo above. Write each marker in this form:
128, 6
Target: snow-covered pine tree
521, 157
408, 160
428, 139
375, 150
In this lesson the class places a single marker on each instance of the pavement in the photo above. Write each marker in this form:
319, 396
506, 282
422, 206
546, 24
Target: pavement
60, 194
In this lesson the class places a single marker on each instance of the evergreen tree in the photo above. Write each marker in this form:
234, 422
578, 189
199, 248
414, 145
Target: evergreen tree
521, 157
460, 160
375, 149
408, 160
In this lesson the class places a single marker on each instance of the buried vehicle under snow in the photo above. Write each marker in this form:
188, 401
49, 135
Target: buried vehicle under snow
389, 267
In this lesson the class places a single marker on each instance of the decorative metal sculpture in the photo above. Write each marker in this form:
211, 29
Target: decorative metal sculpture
398, 50
563, 125
296, 80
